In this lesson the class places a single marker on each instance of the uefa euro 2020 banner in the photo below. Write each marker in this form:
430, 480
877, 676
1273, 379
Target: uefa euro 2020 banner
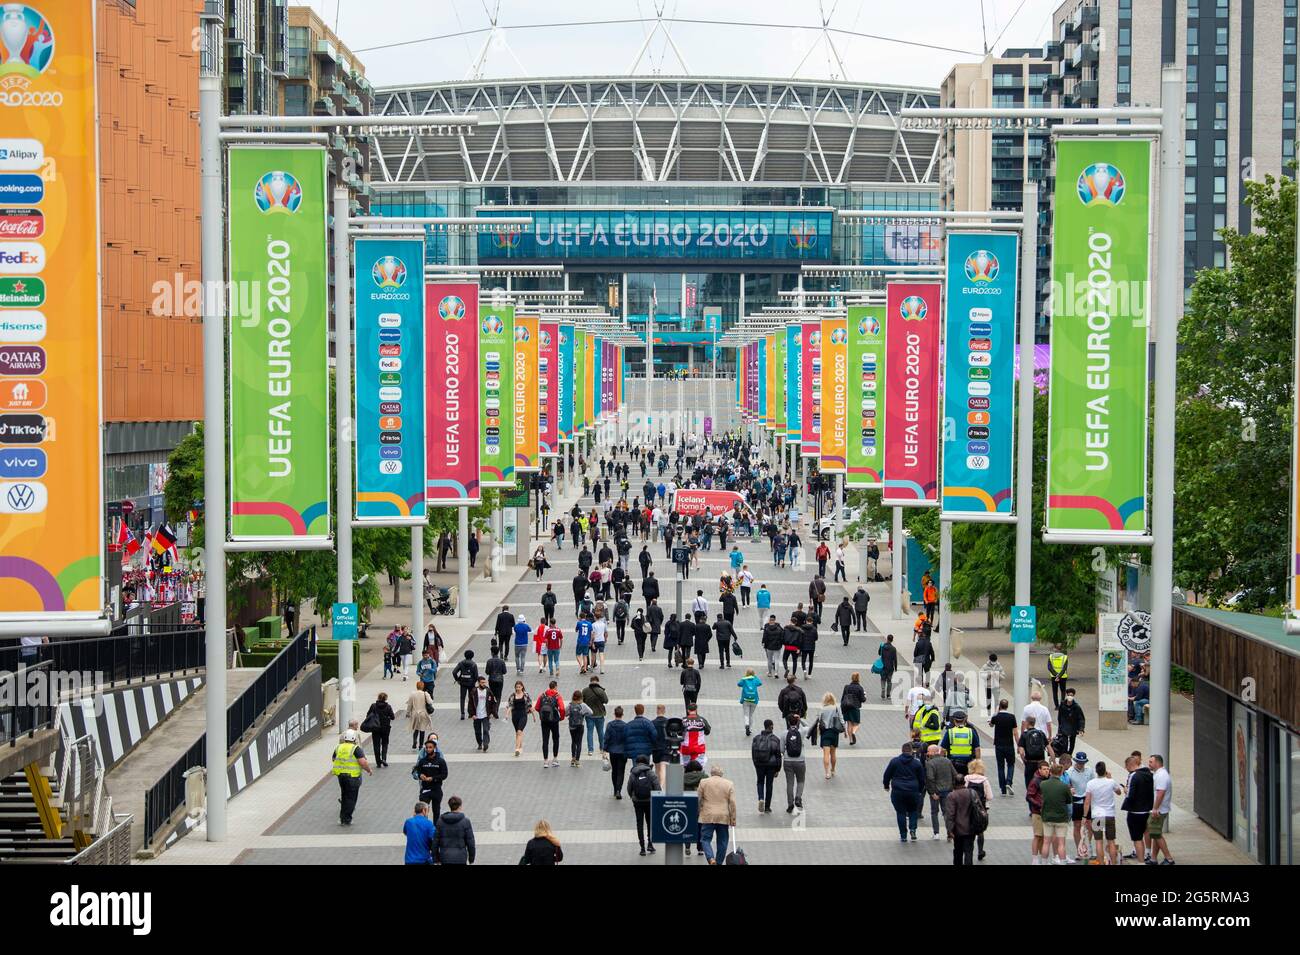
810, 386
566, 383
548, 392
51, 492
389, 355
912, 394
496, 350
279, 386
866, 414
579, 380
979, 379
778, 380
834, 392
452, 421
525, 416
793, 396
1097, 428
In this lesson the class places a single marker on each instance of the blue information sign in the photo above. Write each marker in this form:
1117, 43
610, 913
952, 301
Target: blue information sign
343, 621
389, 365
1024, 624
675, 819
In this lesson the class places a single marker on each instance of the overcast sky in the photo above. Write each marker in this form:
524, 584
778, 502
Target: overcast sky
709, 49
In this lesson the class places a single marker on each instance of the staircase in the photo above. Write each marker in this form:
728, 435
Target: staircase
31, 830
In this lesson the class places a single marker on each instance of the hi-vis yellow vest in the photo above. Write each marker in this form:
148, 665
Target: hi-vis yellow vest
1057, 664
961, 741
345, 760
922, 723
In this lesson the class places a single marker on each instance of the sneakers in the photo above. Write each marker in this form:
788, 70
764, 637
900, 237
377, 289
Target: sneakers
935, 837
913, 835
1167, 862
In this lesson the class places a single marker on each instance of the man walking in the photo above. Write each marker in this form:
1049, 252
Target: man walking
766, 754
349, 763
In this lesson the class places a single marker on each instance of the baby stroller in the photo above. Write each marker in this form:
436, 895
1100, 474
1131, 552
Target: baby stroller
442, 602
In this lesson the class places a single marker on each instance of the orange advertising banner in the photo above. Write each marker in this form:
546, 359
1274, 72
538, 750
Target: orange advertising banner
526, 395
51, 478
835, 395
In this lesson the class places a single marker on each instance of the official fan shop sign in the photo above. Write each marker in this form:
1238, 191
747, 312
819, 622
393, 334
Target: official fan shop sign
1097, 428
389, 354
279, 386
496, 345
866, 409
912, 395
1024, 624
980, 374
51, 484
452, 421
343, 621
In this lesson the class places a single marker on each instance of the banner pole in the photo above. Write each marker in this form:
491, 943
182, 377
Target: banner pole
1168, 275
1024, 500
343, 438
896, 561
214, 441
462, 558
943, 652
417, 583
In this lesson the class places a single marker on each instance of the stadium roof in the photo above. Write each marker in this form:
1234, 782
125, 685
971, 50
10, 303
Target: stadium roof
661, 129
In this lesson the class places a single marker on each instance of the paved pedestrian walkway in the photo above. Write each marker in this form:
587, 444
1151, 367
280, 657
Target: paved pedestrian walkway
292, 817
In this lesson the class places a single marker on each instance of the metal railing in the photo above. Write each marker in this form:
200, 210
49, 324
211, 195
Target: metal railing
125, 658
168, 793
112, 848
20, 717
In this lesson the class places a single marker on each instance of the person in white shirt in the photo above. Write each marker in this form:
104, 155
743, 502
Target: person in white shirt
915, 697
1041, 714
699, 604
1164, 803
1099, 806
599, 633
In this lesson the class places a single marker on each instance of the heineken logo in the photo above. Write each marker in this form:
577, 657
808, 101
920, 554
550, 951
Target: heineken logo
21, 293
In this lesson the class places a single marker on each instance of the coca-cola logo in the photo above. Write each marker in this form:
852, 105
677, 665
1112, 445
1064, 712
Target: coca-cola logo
21, 224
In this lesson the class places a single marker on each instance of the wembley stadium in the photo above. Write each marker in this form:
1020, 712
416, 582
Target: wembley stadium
695, 199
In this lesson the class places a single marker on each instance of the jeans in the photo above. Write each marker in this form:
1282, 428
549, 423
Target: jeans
596, 724
771, 659
483, 731
749, 709
1006, 760
521, 655
907, 807
936, 809
860, 619
349, 789
464, 695
795, 773
707, 832
808, 661
551, 736
765, 780
552, 662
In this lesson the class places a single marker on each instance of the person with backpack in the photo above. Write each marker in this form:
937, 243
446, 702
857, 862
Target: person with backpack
641, 783
466, 676
749, 686
616, 750
620, 621
454, 841
495, 669
578, 713
961, 813
828, 728
430, 773
1033, 748
904, 780
691, 682
766, 754
792, 700
793, 763
550, 711
888, 654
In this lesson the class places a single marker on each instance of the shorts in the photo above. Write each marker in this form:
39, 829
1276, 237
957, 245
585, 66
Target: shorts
1055, 830
1076, 812
1104, 828
1137, 825
1037, 822
1156, 825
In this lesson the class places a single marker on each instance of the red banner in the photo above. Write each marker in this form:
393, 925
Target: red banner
451, 417
810, 378
548, 366
912, 394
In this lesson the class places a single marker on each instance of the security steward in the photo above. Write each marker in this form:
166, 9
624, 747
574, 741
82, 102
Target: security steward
960, 742
929, 724
349, 762
1058, 665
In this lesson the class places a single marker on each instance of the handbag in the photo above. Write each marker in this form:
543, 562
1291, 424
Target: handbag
878, 666
735, 648
428, 704
371, 723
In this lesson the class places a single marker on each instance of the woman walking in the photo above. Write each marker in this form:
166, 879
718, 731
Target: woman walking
543, 848
521, 707
419, 706
539, 562
829, 727
380, 716
578, 713
851, 699
749, 697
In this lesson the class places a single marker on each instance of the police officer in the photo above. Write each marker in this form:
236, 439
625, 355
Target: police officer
349, 762
1058, 664
960, 742
929, 724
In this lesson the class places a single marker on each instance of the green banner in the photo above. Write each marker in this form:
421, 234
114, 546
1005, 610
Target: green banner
580, 359
866, 413
496, 355
778, 378
1097, 433
279, 384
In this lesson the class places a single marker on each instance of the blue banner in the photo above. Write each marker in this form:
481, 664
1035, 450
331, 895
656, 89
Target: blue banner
758, 234
564, 381
390, 358
793, 385
979, 377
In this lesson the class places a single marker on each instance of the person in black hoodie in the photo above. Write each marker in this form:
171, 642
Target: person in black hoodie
1070, 721
641, 782
654, 617
691, 682
766, 754
701, 634
724, 633
844, 619
454, 843
650, 589
792, 701
465, 675
384, 716
431, 772
773, 640
505, 626
495, 669
808, 647
905, 782
889, 664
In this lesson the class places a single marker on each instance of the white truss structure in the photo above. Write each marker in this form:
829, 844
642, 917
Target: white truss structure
656, 129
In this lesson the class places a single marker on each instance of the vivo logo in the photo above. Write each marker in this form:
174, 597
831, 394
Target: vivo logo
22, 463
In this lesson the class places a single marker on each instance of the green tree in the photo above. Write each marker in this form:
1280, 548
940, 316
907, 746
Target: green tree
1234, 415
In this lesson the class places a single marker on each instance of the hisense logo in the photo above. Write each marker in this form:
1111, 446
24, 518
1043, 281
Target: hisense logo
75, 908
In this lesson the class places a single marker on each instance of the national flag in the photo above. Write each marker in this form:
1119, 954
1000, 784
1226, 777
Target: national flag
128, 541
163, 539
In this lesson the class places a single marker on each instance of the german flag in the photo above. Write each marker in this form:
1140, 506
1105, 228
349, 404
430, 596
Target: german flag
163, 539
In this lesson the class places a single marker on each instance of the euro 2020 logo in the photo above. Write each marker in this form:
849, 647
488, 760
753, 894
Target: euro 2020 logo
982, 266
839, 336
1101, 184
815, 339
389, 272
913, 309
544, 338
869, 326
521, 333
28, 42
492, 325
277, 191
451, 308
